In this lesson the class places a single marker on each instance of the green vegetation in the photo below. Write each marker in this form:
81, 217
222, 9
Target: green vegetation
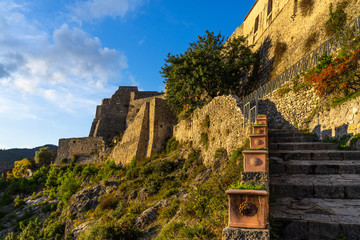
337, 19
208, 68
43, 156
164, 178
250, 186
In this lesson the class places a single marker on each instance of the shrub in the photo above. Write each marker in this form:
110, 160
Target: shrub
206, 123
20, 169
335, 77
306, 7
89, 170
171, 145
221, 152
19, 202
108, 201
43, 156
170, 210
63, 161
337, 19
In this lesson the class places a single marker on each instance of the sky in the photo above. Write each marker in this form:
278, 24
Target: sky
59, 59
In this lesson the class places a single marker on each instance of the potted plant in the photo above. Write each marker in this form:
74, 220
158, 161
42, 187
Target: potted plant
248, 206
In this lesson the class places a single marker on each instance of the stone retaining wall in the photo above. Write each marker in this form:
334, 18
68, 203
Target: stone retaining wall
221, 122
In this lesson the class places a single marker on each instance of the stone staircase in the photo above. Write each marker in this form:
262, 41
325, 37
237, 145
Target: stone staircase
315, 188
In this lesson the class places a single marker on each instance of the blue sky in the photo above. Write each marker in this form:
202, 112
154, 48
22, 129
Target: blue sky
58, 59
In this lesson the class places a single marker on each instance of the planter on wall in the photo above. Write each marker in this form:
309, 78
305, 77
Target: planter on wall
260, 129
258, 141
256, 161
248, 208
262, 119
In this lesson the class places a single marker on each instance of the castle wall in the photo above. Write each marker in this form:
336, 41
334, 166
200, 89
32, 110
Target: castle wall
111, 116
161, 122
147, 133
135, 106
289, 110
290, 26
88, 149
134, 141
221, 121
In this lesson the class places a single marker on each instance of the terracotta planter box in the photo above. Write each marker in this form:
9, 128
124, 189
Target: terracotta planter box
256, 161
248, 208
258, 141
262, 129
261, 119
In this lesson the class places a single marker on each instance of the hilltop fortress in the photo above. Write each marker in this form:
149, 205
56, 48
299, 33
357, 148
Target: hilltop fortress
283, 31
139, 122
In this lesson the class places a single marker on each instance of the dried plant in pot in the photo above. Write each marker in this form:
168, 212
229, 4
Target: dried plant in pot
248, 208
256, 160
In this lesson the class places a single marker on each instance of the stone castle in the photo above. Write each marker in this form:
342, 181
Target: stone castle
292, 28
138, 123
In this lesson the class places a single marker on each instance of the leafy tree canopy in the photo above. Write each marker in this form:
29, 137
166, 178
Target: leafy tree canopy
208, 68
43, 156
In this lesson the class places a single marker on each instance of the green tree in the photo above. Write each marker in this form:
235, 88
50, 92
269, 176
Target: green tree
208, 68
43, 156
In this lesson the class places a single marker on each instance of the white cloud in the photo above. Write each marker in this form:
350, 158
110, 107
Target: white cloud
97, 9
57, 68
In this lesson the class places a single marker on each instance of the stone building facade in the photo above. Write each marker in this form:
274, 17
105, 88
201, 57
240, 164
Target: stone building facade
143, 118
294, 27
148, 132
110, 118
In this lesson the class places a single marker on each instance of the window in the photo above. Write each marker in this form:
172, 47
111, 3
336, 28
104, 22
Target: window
256, 24
270, 6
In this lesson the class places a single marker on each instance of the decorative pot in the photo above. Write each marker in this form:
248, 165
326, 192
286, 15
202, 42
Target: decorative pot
258, 141
248, 208
260, 129
261, 119
256, 161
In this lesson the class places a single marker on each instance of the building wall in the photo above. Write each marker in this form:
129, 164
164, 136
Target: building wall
111, 116
289, 25
147, 133
88, 149
226, 128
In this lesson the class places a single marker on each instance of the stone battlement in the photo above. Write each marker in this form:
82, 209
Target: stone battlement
110, 118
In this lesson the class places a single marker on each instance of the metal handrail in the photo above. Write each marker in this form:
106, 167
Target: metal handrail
350, 31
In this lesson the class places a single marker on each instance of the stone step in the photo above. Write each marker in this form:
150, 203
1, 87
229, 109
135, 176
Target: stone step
274, 130
316, 186
303, 146
315, 155
292, 134
292, 139
313, 218
316, 167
